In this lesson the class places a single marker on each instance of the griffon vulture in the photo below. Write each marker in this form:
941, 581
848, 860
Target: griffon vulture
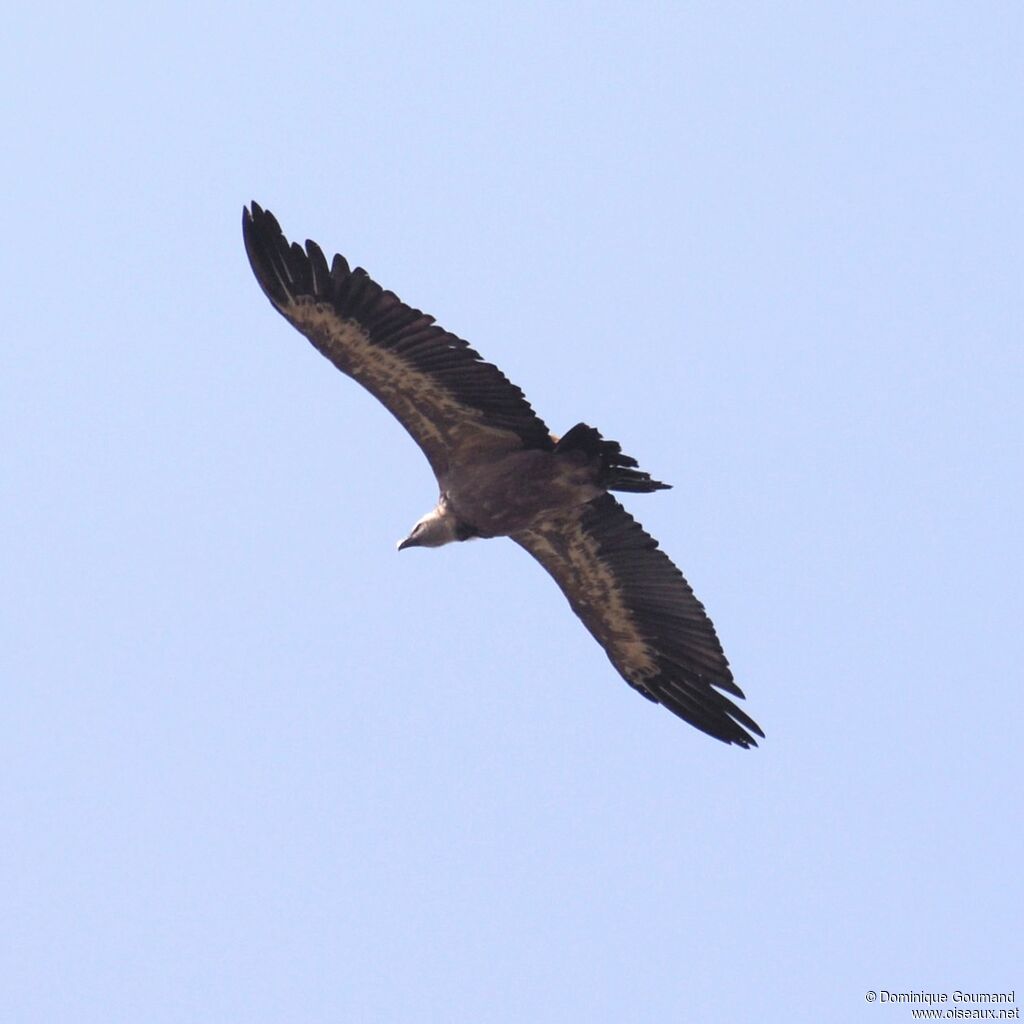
501, 473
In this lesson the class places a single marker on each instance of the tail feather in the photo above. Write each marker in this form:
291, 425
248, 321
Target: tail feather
618, 471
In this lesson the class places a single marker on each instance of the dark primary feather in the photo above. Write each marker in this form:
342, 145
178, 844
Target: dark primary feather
642, 611
446, 396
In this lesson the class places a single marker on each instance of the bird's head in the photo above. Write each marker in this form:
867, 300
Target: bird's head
434, 529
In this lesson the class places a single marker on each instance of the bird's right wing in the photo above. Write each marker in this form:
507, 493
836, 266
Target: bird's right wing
642, 611
457, 407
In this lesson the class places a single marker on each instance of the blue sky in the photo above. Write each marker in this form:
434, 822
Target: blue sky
258, 766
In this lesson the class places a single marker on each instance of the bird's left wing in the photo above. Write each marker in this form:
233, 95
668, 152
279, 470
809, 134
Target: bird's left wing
457, 407
642, 611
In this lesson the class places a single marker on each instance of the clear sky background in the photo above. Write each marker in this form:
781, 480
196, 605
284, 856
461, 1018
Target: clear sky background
258, 767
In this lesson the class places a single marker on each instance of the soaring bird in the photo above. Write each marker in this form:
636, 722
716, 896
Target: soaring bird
501, 473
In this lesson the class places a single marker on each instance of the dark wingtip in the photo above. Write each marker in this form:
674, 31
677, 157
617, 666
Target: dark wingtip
270, 255
727, 723
731, 729
742, 721
261, 220
253, 211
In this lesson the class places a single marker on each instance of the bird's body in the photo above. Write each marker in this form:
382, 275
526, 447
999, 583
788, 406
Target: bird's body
511, 493
501, 473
